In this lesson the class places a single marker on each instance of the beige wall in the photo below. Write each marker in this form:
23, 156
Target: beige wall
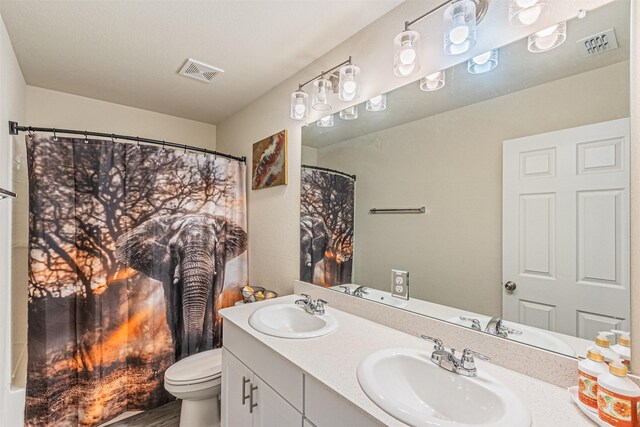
12, 107
274, 213
47, 108
452, 164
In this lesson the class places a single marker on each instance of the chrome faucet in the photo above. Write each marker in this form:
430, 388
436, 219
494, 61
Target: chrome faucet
312, 306
360, 291
447, 360
495, 327
475, 323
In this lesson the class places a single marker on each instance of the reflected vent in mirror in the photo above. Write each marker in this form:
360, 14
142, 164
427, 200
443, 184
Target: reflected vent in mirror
598, 43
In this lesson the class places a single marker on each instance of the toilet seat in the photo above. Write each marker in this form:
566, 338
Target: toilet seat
195, 369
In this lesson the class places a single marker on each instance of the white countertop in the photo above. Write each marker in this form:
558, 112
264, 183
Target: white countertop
333, 359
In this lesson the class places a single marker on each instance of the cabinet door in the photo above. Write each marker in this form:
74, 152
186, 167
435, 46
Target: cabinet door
272, 409
236, 388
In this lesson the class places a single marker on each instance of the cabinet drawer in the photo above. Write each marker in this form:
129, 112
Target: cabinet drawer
324, 408
276, 371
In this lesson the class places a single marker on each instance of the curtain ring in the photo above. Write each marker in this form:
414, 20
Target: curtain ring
138, 144
204, 153
185, 149
30, 133
86, 141
163, 146
113, 138
55, 137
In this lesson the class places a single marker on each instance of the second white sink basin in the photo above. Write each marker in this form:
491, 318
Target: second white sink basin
407, 385
291, 321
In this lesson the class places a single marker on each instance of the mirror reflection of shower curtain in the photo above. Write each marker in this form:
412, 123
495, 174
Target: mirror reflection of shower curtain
132, 252
326, 227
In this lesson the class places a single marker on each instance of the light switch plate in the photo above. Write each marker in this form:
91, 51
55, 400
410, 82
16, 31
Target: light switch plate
400, 284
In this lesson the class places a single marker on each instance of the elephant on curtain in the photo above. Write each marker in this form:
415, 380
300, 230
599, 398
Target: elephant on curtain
315, 239
188, 254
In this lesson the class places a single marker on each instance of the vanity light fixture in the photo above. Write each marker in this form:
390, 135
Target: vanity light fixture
320, 94
349, 113
547, 39
299, 104
433, 81
324, 84
483, 63
348, 87
525, 12
460, 21
377, 103
326, 121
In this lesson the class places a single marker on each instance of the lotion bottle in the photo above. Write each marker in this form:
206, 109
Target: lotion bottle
623, 348
618, 397
603, 343
588, 371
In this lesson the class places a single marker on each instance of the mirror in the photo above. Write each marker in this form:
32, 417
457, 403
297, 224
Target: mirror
501, 199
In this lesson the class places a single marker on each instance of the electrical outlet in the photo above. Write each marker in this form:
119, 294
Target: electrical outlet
400, 284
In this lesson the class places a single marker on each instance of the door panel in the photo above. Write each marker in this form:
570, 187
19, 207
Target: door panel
236, 383
566, 229
272, 409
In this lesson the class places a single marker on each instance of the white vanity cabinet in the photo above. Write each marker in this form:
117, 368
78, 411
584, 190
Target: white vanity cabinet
249, 402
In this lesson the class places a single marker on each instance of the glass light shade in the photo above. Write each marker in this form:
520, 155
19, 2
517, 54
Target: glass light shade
325, 122
320, 95
525, 12
349, 83
483, 63
406, 53
349, 113
548, 39
377, 103
299, 105
433, 81
459, 27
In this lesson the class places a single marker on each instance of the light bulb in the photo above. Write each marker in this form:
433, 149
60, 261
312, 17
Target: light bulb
377, 103
299, 108
326, 121
299, 105
526, 3
483, 63
530, 15
407, 54
349, 86
376, 100
482, 58
460, 32
349, 76
548, 39
433, 81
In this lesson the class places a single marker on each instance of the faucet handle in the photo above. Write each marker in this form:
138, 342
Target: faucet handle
437, 341
319, 306
475, 323
470, 354
345, 289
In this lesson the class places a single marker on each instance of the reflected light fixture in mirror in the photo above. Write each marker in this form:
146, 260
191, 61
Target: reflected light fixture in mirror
348, 83
483, 63
525, 12
299, 105
459, 27
325, 122
349, 113
320, 95
433, 81
377, 103
406, 53
548, 39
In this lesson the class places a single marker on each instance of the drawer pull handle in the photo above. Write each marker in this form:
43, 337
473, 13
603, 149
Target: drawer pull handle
251, 404
245, 380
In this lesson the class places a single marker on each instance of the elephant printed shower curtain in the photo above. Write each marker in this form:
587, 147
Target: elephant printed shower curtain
133, 250
327, 202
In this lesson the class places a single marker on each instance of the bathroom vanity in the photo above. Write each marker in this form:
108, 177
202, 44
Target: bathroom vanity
272, 381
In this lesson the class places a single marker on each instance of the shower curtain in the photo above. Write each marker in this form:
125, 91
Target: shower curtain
327, 204
133, 250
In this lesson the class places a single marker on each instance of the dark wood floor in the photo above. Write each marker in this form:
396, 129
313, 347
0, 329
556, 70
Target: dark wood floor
164, 416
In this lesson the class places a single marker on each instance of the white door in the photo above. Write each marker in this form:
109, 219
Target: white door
272, 409
566, 229
236, 389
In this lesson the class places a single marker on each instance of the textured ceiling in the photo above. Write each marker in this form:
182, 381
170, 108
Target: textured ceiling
128, 52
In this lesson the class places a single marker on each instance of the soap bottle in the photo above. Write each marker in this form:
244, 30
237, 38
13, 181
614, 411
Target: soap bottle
618, 397
623, 348
588, 371
603, 343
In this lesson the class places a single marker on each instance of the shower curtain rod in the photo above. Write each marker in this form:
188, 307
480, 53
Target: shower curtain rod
330, 170
14, 128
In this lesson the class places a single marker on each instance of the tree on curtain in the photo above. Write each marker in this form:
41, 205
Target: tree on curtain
132, 252
326, 227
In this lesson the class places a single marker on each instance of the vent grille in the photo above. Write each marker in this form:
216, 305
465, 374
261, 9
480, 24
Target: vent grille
199, 71
598, 43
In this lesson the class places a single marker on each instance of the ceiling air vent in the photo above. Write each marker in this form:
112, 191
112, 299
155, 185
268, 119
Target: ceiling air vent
598, 43
199, 71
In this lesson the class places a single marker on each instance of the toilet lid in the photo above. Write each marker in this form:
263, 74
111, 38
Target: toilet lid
197, 368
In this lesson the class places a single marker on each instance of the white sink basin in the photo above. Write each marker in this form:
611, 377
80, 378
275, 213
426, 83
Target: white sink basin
530, 335
407, 385
291, 321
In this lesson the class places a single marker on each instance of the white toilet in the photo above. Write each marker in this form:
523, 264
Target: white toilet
197, 381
